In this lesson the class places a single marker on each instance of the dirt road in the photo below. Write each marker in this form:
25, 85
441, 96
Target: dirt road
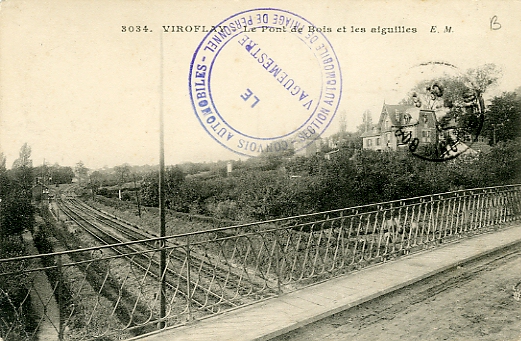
472, 302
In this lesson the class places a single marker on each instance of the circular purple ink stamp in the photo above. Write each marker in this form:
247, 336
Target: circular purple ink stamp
265, 81
441, 116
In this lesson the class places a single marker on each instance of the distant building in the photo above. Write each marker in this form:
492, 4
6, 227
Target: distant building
381, 136
328, 155
420, 122
312, 148
229, 168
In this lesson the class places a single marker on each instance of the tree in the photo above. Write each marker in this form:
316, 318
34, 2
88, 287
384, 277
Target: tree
61, 175
343, 122
452, 91
484, 77
4, 179
17, 214
149, 190
503, 118
24, 158
174, 180
81, 171
95, 180
502, 165
5, 186
174, 177
3, 162
122, 173
347, 141
367, 122
458, 106
17, 210
23, 171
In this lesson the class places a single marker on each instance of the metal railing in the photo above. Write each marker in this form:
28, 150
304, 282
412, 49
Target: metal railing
112, 292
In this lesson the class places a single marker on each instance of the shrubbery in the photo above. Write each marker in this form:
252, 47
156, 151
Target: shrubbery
301, 185
16, 216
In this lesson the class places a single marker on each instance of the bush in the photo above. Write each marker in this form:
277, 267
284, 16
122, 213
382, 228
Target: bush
280, 187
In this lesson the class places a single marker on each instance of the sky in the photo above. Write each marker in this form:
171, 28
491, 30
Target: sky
75, 87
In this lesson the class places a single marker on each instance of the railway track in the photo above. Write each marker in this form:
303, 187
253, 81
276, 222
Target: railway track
215, 287
132, 232
139, 256
211, 268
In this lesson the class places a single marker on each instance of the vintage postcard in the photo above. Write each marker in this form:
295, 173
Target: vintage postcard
237, 151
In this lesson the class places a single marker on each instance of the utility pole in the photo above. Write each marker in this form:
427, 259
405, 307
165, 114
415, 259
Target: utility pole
162, 262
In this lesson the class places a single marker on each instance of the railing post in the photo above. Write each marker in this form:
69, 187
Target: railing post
59, 296
482, 211
508, 204
504, 206
277, 264
188, 279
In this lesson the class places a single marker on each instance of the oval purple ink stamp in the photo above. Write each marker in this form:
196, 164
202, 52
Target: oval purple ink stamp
264, 80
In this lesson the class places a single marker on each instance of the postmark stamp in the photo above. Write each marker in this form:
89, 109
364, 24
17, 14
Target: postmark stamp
445, 114
264, 81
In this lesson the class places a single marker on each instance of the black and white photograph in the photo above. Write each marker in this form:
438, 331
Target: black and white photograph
254, 170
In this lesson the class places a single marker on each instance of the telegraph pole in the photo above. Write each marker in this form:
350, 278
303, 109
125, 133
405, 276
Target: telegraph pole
162, 263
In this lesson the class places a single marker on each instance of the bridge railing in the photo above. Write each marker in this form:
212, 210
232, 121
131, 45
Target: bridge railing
115, 291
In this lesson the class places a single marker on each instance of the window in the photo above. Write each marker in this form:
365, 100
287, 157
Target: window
369, 142
426, 136
425, 118
377, 141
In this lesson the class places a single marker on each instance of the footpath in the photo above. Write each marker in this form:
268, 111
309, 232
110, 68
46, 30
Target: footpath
287, 312
42, 298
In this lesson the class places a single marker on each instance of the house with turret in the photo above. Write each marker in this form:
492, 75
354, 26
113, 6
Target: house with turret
382, 135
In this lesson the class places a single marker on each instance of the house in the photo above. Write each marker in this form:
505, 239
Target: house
307, 148
328, 155
421, 123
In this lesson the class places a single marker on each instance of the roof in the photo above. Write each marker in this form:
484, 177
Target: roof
391, 110
396, 120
